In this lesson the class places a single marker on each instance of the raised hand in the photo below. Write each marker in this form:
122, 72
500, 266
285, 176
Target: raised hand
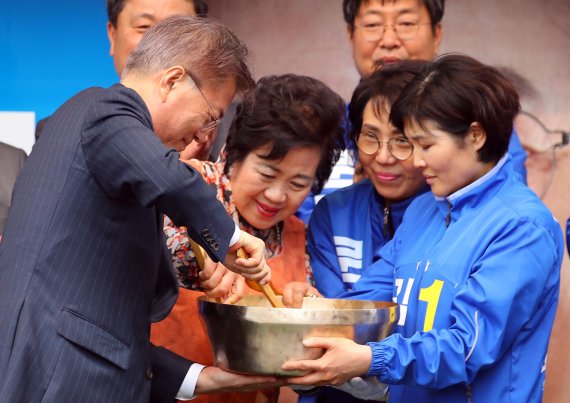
254, 267
219, 282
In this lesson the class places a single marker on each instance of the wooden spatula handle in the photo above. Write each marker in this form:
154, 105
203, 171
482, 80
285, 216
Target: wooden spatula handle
200, 255
266, 289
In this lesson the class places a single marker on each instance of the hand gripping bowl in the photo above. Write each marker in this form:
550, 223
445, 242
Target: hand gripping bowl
252, 337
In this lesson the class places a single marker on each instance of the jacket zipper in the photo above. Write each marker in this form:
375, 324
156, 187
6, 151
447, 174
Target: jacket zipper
448, 216
388, 223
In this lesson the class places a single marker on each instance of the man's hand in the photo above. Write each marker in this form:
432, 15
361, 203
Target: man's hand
214, 380
199, 151
294, 292
218, 282
343, 359
254, 267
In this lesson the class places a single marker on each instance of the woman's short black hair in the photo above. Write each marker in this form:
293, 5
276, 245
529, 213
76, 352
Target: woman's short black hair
289, 111
455, 91
382, 88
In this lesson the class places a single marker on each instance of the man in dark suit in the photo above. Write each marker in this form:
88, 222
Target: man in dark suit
11, 161
83, 265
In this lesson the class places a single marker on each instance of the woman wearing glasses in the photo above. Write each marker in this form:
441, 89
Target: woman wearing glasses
349, 225
282, 143
475, 265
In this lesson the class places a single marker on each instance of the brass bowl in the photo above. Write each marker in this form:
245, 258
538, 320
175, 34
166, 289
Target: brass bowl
253, 337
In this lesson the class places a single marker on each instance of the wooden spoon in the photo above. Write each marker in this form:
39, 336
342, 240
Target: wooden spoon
266, 289
200, 254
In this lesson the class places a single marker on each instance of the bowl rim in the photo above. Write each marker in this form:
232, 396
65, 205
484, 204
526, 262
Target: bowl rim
379, 311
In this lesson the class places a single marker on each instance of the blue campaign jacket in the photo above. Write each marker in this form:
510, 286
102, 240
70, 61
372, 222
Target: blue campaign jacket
345, 231
518, 155
478, 297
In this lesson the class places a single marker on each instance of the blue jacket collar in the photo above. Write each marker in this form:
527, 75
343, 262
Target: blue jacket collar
478, 192
397, 209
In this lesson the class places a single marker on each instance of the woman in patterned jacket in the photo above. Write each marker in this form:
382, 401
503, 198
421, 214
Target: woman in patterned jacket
282, 144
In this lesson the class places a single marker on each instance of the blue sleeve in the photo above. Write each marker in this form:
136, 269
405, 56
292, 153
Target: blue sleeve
511, 287
518, 155
322, 251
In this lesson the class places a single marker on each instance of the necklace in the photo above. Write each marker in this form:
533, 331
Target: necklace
272, 237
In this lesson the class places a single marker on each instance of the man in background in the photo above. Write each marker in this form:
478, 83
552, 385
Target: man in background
381, 32
128, 20
386, 31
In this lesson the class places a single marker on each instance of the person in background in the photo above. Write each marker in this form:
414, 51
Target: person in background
381, 32
11, 162
282, 143
387, 31
475, 264
83, 264
128, 20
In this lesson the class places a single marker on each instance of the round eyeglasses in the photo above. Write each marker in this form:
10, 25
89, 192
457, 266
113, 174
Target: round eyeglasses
399, 147
374, 31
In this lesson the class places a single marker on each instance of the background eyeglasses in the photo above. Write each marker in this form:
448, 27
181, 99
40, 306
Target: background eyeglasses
399, 147
405, 30
542, 145
213, 123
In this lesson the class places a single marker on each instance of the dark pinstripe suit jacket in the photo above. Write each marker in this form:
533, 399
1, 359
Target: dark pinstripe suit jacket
83, 264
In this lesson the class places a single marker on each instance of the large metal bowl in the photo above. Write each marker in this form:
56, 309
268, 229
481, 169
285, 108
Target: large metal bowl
252, 337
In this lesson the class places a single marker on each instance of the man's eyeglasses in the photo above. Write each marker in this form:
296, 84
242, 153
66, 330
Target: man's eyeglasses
399, 147
374, 31
213, 123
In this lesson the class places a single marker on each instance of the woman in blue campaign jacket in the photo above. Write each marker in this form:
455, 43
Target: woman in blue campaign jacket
349, 225
474, 266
